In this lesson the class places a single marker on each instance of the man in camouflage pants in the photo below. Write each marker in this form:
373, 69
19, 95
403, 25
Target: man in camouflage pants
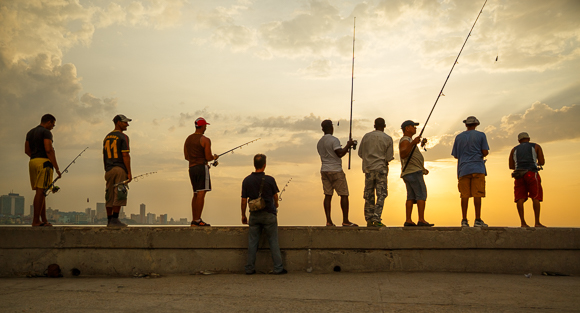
376, 151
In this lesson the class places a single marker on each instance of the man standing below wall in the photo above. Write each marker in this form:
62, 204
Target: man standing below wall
524, 160
376, 151
117, 169
333, 177
259, 185
470, 148
413, 173
38, 147
197, 151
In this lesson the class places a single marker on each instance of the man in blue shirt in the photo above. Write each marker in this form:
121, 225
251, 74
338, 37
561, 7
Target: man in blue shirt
470, 148
259, 185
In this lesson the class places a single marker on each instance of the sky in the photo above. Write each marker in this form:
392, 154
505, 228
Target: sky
274, 70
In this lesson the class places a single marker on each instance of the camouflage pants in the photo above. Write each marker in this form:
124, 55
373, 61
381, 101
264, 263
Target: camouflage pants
375, 181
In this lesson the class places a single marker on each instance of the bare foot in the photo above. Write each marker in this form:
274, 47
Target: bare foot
525, 225
539, 225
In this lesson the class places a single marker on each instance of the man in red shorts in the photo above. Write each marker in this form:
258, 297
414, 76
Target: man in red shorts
524, 160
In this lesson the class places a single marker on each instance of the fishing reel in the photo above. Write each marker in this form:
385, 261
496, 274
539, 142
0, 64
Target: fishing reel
354, 144
215, 163
55, 189
424, 144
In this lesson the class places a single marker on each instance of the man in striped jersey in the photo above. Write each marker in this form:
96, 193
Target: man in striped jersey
524, 160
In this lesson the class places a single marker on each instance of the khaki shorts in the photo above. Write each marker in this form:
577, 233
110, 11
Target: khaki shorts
40, 170
334, 181
472, 185
114, 176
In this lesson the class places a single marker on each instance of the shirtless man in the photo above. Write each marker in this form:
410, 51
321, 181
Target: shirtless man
197, 150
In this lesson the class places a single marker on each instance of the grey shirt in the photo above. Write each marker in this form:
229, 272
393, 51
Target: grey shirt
417, 162
376, 151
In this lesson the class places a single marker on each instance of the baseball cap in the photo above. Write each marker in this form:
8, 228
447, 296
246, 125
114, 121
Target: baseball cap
523, 135
200, 121
121, 118
471, 120
407, 123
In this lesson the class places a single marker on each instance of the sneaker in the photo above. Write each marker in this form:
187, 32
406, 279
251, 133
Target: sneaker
282, 272
379, 224
479, 223
200, 223
370, 224
464, 223
251, 272
114, 222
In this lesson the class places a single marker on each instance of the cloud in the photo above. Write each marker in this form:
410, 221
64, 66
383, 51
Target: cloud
318, 68
544, 124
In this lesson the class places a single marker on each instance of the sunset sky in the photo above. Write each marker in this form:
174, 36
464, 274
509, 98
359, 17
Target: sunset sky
274, 70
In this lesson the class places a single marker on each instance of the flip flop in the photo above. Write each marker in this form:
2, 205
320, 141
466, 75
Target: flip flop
331, 225
350, 225
407, 224
424, 224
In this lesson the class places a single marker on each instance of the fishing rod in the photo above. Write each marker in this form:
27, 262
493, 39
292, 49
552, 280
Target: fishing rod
424, 141
281, 192
351, 94
215, 163
54, 188
135, 179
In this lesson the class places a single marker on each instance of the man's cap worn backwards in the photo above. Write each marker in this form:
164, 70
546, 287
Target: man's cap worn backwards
200, 121
121, 118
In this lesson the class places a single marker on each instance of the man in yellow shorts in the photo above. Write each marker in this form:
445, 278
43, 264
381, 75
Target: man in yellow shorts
38, 147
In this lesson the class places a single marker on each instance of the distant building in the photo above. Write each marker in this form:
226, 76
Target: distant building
122, 214
183, 221
12, 204
142, 211
31, 210
136, 218
101, 211
151, 218
163, 219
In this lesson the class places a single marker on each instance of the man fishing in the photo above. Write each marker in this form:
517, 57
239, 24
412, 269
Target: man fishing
412, 173
376, 151
470, 148
38, 146
333, 177
197, 150
524, 159
117, 169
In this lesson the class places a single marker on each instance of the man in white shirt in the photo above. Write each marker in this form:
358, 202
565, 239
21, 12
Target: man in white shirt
333, 177
376, 151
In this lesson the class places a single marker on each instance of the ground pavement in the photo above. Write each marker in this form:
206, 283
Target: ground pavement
295, 292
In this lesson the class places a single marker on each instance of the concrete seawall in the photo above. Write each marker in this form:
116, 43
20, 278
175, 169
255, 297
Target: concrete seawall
177, 250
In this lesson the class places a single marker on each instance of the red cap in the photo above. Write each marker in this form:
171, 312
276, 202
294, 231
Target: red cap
200, 122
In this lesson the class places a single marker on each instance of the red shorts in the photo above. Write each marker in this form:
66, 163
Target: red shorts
529, 186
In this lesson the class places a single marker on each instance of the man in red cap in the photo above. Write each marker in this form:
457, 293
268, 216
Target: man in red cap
197, 150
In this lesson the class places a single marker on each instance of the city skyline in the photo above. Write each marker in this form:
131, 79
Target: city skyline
275, 70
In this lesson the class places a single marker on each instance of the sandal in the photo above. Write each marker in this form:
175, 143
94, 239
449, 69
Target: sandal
330, 225
409, 224
424, 224
350, 225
